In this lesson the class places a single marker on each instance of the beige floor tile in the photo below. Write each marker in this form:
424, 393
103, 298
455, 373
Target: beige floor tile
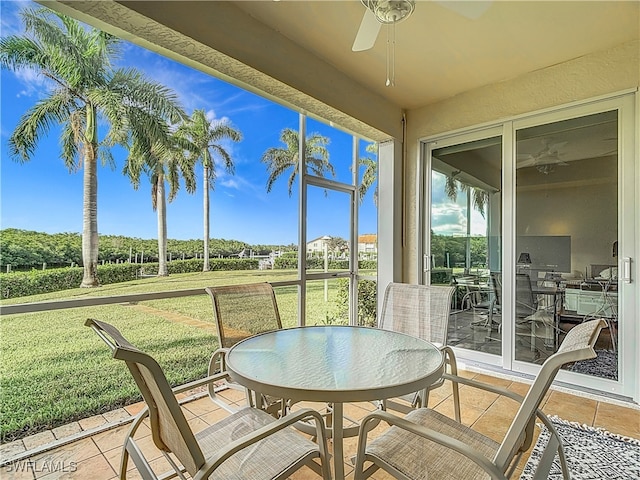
95, 468
92, 422
110, 439
115, 415
469, 414
519, 388
214, 416
491, 380
570, 407
66, 430
494, 423
616, 419
135, 408
199, 407
476, 398
197, 425
37, 440
8, 450
74, 452
19, 470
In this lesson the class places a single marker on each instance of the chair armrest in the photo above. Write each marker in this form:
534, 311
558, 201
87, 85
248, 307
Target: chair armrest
432, 435
483, 386
232, 448
198, 383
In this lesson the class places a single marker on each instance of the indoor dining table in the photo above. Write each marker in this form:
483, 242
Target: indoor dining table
337, 365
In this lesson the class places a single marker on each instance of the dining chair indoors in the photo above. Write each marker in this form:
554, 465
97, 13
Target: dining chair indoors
241, 446
428, 445
421, 311
239, 312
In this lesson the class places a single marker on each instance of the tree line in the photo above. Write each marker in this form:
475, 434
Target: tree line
23, 249
162, 141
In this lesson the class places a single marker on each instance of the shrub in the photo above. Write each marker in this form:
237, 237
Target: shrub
20, 284
367, 302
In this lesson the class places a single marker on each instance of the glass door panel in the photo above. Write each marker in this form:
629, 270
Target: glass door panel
465, 239
566, 236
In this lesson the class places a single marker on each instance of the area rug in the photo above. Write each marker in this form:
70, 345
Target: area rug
592, 454
605, 365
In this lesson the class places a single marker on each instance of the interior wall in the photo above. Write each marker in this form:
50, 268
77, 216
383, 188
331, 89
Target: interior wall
597, 74
587, 212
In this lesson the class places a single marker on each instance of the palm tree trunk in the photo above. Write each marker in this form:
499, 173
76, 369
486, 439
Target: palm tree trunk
205, 197
161, 209
90, 211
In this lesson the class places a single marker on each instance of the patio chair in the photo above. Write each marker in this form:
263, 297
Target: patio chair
533, 320
426, 444
421, 311
241, 311
241, 446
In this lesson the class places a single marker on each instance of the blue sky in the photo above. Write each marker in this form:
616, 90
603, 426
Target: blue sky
42, 195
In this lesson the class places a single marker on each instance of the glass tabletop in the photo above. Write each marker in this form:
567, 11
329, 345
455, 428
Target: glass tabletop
334, 363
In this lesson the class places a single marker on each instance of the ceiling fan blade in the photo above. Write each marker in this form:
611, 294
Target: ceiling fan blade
468, 9
367, 33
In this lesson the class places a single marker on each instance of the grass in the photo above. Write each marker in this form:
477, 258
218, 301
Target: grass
54, 370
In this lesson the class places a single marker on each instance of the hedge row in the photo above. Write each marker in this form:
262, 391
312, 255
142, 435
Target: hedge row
20, 284
291, 261
196, 265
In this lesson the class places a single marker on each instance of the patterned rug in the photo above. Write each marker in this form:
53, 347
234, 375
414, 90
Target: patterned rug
592, 454
605, 365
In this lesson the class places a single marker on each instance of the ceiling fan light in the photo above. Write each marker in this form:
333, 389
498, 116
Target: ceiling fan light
390, 11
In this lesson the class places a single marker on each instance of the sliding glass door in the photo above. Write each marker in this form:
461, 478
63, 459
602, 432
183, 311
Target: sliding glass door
534, 221
464, 244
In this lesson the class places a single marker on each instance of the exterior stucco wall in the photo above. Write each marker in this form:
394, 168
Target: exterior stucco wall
590, 76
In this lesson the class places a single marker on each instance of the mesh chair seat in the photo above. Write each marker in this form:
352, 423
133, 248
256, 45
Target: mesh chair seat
421, 459
268, 458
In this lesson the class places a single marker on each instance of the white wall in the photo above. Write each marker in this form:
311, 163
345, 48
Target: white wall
593, 75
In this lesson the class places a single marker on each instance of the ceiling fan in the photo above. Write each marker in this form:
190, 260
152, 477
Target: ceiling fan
390, 12
546, 159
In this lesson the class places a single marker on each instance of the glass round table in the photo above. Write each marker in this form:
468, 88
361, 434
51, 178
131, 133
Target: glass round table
337, 365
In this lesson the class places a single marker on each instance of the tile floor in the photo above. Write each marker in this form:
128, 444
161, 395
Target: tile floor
97, 456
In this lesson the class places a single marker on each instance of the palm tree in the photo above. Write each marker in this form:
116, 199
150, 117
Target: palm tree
370, 174
85, 89
163, 161
479, 197
279, 160
206, 137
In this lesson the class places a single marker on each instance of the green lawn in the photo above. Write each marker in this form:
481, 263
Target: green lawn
54, 370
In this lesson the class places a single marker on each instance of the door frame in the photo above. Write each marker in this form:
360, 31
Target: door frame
628, 106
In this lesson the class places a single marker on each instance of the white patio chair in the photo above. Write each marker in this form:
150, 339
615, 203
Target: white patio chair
241, 446
421, 311
428, 445
240, 311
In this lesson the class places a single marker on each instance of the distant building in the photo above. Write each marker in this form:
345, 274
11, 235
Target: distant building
368, 245
317, 245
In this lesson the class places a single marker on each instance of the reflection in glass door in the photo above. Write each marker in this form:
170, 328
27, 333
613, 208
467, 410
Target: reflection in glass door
567, 237
465, 238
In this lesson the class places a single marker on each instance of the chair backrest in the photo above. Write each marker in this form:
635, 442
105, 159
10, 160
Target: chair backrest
418, 310
241, 311
577, 345
496, 284
525, 302
169, 428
